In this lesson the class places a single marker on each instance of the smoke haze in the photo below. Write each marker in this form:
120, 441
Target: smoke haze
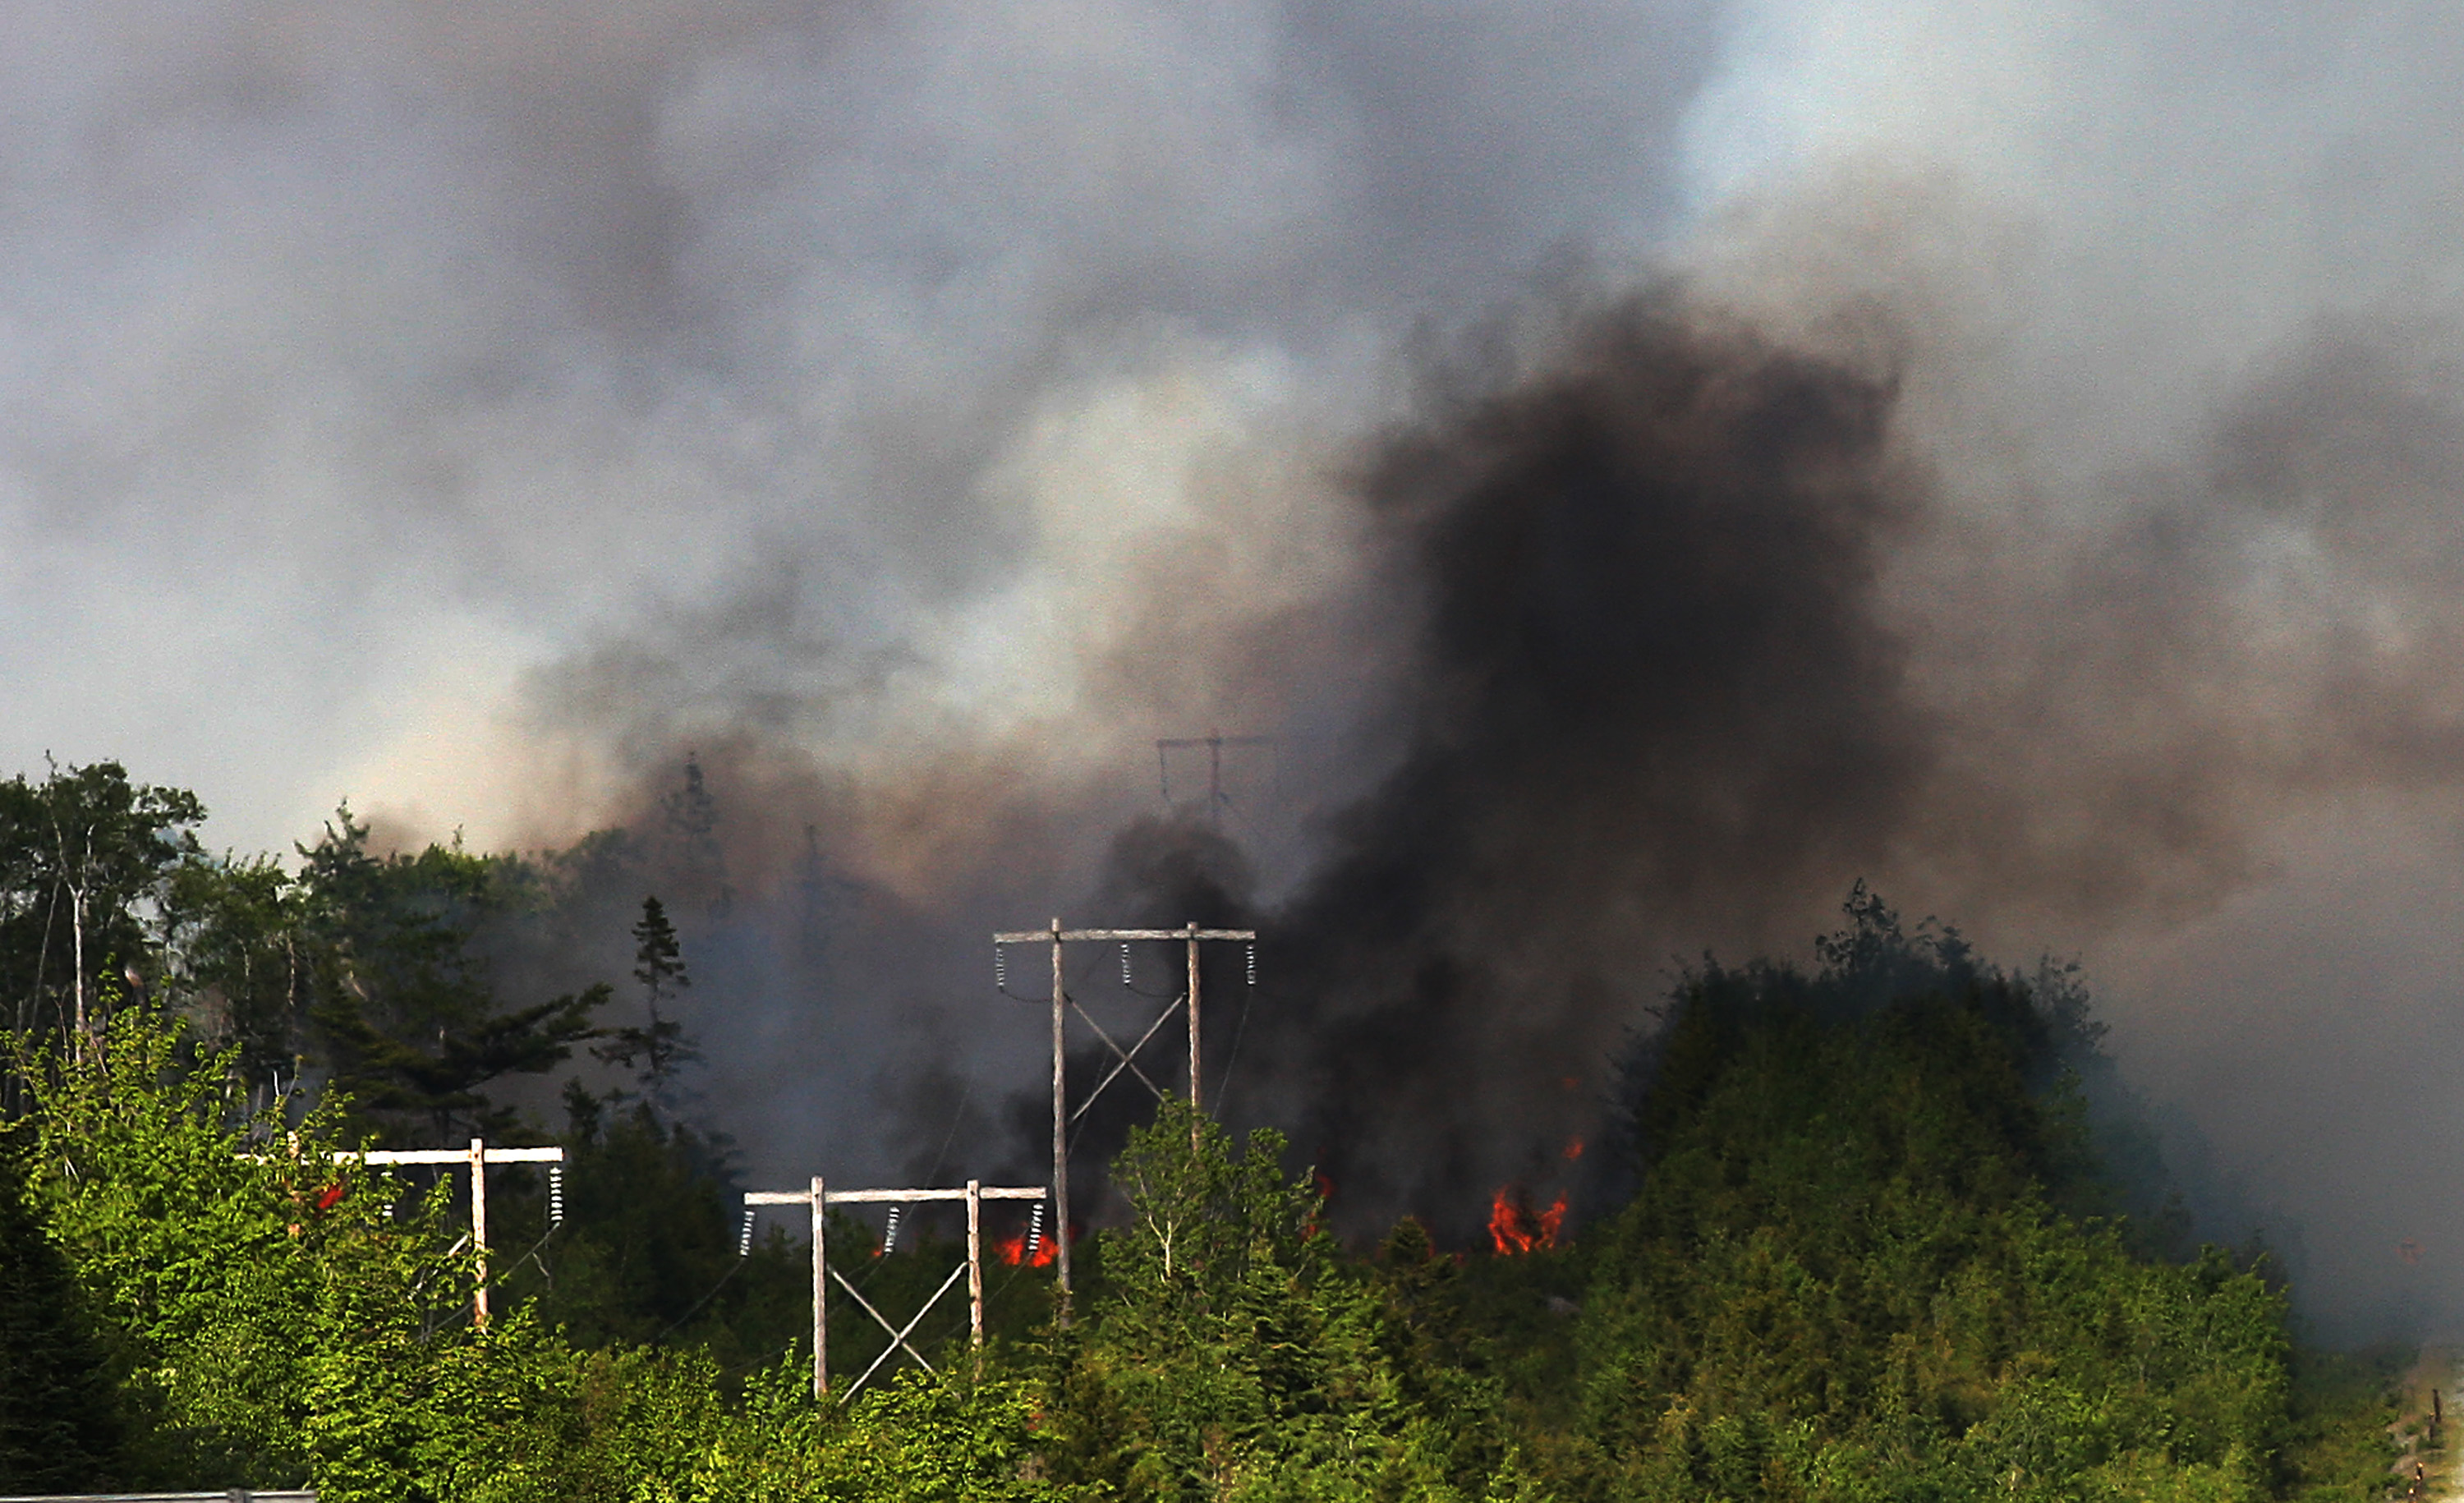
1645, 465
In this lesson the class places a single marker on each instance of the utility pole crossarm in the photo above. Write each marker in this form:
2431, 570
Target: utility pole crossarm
1033, 1192
1067, 935
990, 1192
460, 1156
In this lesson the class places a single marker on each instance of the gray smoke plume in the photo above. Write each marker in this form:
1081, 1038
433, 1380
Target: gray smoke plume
1645, 463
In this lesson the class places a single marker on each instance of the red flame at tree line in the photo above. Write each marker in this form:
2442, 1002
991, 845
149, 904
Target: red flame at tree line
1516, 1229
1012, 1250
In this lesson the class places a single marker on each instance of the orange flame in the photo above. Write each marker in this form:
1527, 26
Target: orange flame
1013, 1250
1516, 1229
1573, 1149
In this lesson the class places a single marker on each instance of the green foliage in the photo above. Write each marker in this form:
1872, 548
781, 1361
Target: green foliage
1238, 1356
2338, 1448
1864, 1258
59, 1430
953, 1438
215, 1249
1843, 1277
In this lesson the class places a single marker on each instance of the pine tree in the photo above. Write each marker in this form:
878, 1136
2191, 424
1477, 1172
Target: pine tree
657, 1051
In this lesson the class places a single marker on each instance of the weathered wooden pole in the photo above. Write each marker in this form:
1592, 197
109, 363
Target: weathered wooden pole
1195, 1106
821, 1291
820, 1198
479, 1228
1055, 936
1060, 1132
976, 1260
477, 1158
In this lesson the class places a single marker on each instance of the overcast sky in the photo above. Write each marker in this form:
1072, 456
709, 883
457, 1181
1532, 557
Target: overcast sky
459, 408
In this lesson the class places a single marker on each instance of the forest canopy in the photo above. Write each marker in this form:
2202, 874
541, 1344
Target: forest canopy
1864, 1246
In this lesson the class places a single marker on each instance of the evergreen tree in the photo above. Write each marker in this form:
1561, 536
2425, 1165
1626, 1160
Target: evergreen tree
1238, 1354
1845, 1273
658, 1048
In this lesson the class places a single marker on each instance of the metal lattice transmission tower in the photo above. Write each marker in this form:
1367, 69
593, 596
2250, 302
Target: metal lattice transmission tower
1213, 744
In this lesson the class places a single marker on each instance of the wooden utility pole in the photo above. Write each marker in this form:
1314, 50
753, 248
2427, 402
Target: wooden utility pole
479, 1232
975, 1193
1195, 1105
1062, 1115
1060, 1130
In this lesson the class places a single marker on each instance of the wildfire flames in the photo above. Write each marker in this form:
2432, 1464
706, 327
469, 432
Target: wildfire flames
1516, 1228
1012, 1250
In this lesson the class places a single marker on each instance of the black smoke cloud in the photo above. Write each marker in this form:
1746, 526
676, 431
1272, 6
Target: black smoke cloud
1654, 699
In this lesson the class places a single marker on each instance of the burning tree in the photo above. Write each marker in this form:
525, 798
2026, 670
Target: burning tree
1516, 1229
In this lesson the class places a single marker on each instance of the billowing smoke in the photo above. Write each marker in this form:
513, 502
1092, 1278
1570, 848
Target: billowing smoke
1654, 701
1701, 637
1638, 465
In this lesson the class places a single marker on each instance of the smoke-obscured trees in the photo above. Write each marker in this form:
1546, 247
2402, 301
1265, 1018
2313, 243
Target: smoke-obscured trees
657, 1049
378, 974
401, 1002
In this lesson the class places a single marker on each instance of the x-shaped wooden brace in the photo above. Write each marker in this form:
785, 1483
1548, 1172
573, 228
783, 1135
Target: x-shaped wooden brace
898, 1335
1129, 1055
820, 1197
